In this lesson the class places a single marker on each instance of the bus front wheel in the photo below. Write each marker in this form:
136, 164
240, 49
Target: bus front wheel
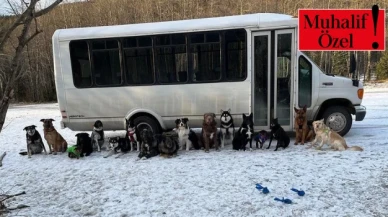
339, 119
144, 122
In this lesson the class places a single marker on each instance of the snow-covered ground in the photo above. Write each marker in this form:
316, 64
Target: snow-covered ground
200, 184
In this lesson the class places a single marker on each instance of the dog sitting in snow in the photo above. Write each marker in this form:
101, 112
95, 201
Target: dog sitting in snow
132, 135
330, 137
260, 138
226, 127
278, 133
34, 141
186, 135
149, 147
118, 145
168, 144
244, 134
209, 131
55, 141
84, 142
98, 135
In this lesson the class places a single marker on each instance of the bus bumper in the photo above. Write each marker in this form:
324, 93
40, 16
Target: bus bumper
360, 112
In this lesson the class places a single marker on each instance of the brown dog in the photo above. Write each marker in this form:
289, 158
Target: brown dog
303, 131
55, 141
209, 131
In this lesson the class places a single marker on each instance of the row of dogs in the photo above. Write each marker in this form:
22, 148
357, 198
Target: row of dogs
167, 144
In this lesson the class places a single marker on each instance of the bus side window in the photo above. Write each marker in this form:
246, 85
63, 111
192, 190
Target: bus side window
106, 62
305, 82
236, 54
205, 56
80, 63
171, 58
138, 60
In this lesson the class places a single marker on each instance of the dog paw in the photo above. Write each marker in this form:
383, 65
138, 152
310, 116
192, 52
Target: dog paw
295, 143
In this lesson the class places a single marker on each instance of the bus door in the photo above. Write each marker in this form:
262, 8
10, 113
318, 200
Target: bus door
272, 77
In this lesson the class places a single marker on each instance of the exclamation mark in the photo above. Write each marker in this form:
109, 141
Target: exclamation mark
375, 16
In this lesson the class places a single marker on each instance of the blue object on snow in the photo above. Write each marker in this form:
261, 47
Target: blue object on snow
287, 201
259, 187
265, 190
300, 192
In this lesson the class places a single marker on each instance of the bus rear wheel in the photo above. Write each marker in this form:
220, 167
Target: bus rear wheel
145, 122
338, 119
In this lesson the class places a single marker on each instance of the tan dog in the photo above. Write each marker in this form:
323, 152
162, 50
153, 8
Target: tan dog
55, 141
303, 133
209, 131
331, 138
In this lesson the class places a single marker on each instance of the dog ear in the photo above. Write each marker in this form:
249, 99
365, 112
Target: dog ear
229, 110
76, 135
322, 120
214, 116
33, 126
42, 120
295, 109
25, 128
52, 119
244, 116
185, 119
177, 121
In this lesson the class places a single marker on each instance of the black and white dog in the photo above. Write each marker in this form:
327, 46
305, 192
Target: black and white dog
132, 135
244, 134
149, 147
34, 141
98, 135
185, 135
226, 127
118, 145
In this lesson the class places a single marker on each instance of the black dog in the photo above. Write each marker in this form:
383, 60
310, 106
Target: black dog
34, 141
279, 134
149, 147
117, 144
84, 144
168, 144
240, 139
226, 127
98, 135
261, 137
244, 133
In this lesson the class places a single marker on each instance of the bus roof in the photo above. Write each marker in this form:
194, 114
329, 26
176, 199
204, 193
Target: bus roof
258, 20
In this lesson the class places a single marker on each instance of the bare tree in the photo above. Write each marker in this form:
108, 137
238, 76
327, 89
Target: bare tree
12, 72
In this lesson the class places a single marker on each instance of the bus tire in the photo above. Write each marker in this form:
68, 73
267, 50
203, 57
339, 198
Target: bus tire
145, 122
339, 119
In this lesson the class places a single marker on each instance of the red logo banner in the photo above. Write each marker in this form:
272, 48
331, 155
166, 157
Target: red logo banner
341, 30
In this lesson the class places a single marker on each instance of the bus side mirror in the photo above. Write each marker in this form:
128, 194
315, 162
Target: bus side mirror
352, 67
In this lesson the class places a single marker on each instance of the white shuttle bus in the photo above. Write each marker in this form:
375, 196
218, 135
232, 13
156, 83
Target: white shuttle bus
154, 73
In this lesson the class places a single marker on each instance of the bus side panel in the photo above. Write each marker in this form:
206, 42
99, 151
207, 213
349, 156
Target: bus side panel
112, 104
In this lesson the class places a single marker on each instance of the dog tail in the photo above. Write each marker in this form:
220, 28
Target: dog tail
355, 148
